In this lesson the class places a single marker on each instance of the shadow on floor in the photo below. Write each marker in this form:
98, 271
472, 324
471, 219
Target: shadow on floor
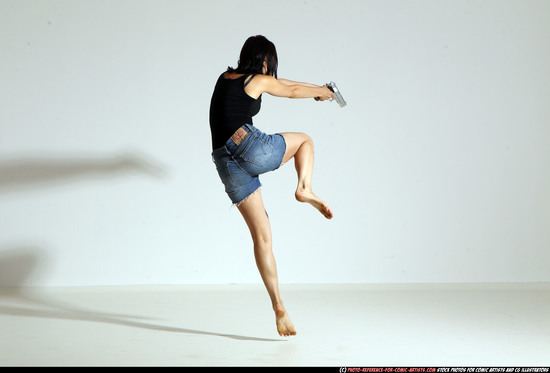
18, 265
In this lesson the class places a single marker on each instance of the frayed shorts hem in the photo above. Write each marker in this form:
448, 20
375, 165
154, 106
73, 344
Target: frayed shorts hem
237, 204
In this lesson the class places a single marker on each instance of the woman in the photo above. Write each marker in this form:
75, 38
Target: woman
241, 152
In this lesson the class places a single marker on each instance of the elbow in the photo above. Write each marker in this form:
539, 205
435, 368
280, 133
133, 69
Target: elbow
294, 92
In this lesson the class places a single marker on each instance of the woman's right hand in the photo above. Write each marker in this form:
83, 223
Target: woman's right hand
326, 94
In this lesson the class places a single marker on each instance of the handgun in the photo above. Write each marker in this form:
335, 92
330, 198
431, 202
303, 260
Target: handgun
337, 95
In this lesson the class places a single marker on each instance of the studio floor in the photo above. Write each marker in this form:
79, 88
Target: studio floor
233, 325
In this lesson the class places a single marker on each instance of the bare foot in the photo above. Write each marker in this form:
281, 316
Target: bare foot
303, 195
284, 325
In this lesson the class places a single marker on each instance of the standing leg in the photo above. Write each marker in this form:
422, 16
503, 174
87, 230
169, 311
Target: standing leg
256, 218
300, 147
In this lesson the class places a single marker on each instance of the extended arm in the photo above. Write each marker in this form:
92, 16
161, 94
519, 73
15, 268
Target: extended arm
290, 82
286, 88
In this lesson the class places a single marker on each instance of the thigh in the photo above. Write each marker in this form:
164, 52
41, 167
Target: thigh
293, 142
260, 153
255, 216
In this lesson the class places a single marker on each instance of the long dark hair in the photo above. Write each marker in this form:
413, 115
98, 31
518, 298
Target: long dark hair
255, 51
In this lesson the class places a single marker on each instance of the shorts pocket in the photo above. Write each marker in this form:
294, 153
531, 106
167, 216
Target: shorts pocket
225, 176
258, 152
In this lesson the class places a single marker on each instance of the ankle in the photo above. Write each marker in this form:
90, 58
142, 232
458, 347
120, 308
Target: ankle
278, 306
303, 190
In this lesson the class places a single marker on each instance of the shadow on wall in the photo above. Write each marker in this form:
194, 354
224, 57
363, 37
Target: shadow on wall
37, 173
20, 266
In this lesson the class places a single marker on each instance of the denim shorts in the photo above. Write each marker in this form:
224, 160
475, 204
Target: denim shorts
240, 165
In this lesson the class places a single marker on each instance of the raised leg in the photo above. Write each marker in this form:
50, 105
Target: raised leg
256, 218
300, 147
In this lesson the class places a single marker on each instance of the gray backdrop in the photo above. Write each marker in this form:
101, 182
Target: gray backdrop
438, 170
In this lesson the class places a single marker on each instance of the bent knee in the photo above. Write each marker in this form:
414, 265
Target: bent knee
306, 137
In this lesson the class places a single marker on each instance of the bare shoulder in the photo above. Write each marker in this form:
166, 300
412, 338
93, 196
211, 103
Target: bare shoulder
261, 79
259, 84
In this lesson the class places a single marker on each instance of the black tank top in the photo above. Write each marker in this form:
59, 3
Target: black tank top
230, 108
